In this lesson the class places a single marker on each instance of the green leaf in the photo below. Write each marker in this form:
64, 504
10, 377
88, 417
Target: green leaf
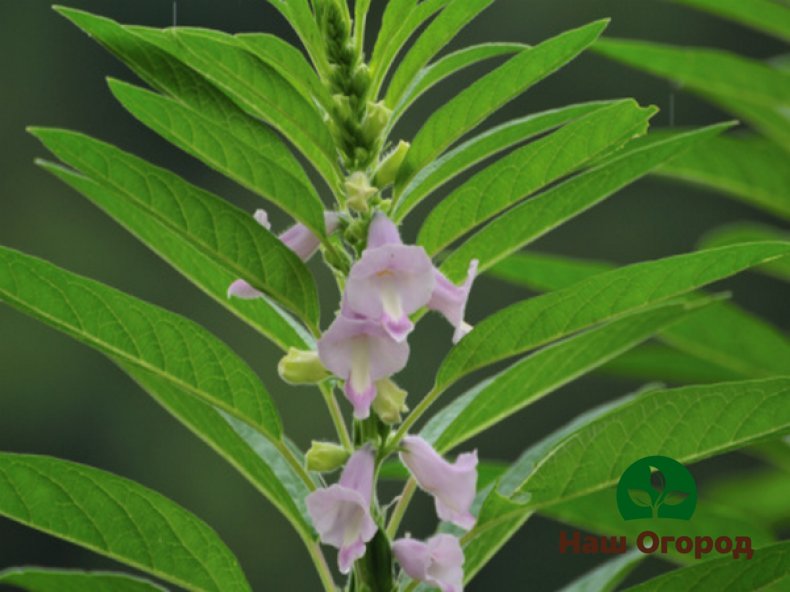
688, 424
255, 87
166, 74
542, 373
499, 519
711, 71
473, 105
542, 213
733, 339
607, 576
257, 460
221, 231
768, 16
748, 232
447, 66
773, 123
289, 63
769, 568
767, 500
36, 579
660, 362
431, 41
221, 150
400, 21
487, 144
300, 16
544, 272
140, 334
597, 513
748, 168
534, 322
117, 518
210, 273
539, 163
722, 343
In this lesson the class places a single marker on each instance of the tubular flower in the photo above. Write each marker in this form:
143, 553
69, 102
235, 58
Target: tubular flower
438, 561
453, 485
361, 352
341, 512
298, 238
302, 241
450, 300
391, 280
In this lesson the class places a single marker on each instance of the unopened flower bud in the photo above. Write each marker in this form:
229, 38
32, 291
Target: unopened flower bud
376, 119
389, 402
301, 367
342, 107
390, 165
361, 79
325, 457
359, 191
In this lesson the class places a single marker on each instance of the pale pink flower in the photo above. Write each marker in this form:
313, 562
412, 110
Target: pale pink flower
391, 280
450, 300
341, 512
361, 352
438, 561
453, 486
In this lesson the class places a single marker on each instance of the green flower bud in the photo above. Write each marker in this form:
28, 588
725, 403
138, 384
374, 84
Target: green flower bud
389, 402
342, 107
376, 120
390, 164
359, 191
325, 457
301, 367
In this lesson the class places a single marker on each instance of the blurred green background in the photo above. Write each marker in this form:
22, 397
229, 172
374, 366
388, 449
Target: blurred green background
60, 398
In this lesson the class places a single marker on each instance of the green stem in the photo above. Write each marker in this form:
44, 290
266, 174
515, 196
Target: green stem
412, 418
336, 415
321, 566
400, 508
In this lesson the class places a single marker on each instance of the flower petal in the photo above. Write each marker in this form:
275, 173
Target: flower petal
243, 290
452, 485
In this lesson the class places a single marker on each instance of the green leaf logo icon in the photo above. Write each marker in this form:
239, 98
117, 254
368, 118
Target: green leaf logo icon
656, 487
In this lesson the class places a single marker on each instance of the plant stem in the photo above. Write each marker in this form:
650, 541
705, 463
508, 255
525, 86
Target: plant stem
400, 508
412, 418
321, 565
337, 416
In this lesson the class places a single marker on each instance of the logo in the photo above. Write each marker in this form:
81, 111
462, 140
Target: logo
656, 487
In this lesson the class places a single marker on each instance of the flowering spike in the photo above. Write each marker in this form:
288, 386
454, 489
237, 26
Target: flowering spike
341, 512
453, 486
360, 351
391, 280
450, 300
437, 562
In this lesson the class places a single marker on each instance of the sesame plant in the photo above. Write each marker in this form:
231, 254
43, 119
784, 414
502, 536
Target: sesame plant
313, 131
